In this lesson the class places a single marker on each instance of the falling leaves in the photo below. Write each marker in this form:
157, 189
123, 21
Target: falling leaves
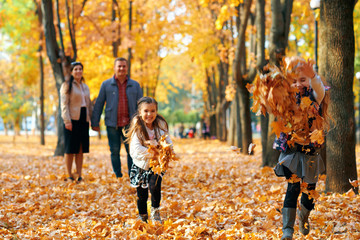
212, 193
273, 94
162, 154
235, 149
354, 183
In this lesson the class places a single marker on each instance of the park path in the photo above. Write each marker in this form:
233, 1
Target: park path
210, 193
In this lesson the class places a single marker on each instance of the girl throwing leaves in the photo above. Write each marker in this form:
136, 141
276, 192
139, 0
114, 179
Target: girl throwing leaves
297, 97
145, 132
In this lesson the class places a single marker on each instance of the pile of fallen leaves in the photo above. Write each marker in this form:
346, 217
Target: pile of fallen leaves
212, 193
162, 153
272, 93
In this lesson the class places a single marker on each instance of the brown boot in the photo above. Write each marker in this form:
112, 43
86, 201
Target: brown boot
143, 217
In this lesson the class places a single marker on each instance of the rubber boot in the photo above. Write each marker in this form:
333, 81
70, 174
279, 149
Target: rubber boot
155, 214
289, 215
304, 225
143, 217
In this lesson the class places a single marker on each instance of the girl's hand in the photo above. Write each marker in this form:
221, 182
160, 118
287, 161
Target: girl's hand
68, 126
307, 69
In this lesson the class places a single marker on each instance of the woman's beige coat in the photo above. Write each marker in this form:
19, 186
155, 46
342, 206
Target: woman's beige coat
71, 102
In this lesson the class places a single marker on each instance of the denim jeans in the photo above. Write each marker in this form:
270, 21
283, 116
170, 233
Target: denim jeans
115, 137
143, 194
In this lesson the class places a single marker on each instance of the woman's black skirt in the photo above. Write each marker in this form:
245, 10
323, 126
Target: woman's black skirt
79, 136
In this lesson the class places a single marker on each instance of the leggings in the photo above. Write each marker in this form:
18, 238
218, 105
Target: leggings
155, 191
293, 192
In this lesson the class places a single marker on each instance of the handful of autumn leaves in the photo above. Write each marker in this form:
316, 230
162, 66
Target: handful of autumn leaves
162, 155
273, 93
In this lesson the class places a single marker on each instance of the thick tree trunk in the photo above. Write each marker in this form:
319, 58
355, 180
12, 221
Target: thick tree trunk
281, 16
260, 56
232, 126
52, 50
322, 71
213, 125
337, 19
245, 119
239, 68
264, 124
234, 133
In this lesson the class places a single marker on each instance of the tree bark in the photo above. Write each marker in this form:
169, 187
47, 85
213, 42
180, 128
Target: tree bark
232, 126
245, 118
53, 50
239, 67
337, 19
41, 65
116, 32
281, 16
261, 62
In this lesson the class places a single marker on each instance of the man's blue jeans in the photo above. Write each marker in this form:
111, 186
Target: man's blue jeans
115, 137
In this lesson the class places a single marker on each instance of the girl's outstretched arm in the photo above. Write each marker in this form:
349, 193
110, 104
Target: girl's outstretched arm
318, 88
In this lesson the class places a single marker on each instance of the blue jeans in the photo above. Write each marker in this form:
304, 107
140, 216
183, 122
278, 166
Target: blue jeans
115, 137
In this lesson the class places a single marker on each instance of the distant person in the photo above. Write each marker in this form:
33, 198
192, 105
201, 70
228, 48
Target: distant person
198, 129
206, 130
76, 113
146, 129
191, 133
181, 130
120, 93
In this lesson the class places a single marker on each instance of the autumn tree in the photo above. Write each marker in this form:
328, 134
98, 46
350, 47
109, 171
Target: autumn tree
19, 68
337, 55
279, 34
60, 62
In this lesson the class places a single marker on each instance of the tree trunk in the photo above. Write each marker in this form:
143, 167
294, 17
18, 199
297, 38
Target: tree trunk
234, 133
116, 32
264, 125
41, 65
245, 118
281, 16
239, 68
239, 132
232, 126
52, 50
42, 115
213, 125
260, 56
129, 49
337, 19
322, 71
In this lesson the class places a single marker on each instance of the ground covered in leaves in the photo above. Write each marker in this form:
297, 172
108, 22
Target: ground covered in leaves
210, 193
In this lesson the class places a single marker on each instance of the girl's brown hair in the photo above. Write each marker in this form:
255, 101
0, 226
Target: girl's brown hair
138, 126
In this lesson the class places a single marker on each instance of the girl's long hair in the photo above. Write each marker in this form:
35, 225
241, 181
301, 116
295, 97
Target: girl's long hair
71, 80
138, 125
